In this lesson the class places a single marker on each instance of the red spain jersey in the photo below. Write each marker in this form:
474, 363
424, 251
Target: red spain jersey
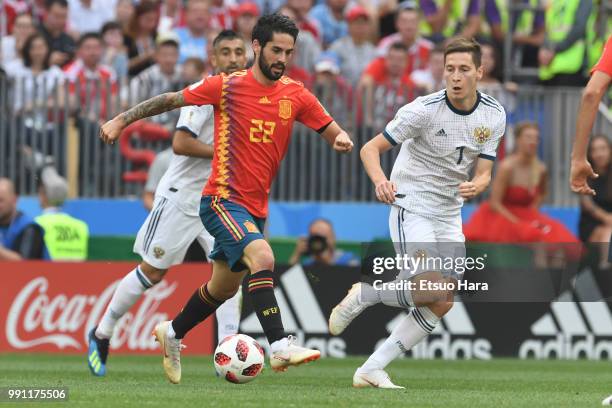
253, 125
605, 62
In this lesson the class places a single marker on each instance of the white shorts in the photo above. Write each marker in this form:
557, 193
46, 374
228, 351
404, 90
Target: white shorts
167, 233
440, 243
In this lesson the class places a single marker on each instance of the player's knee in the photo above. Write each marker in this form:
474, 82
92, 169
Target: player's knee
438, 297
263, 261
222, 292
153, 274
441, 307
157, 275
258, 256
431, 289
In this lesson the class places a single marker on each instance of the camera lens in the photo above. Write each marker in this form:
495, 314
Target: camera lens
316, 244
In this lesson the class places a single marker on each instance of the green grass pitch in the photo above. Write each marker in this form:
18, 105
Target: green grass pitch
139, 381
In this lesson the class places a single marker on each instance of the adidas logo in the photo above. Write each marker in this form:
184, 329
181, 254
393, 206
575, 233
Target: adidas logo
295, 295
577, 326
441, 132
453, 338
264, 100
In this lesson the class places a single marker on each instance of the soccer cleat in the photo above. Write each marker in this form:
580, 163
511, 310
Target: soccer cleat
97, 354
172, 352
348, 309
375, 378
292, 355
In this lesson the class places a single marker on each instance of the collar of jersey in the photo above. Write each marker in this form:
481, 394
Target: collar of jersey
253, 79
459, 111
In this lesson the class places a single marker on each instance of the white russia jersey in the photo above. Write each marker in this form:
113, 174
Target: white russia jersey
184, 180
440, 145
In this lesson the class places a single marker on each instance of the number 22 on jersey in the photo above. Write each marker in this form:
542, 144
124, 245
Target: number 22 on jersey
261, 132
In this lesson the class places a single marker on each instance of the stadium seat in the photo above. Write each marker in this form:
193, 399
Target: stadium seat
140, 158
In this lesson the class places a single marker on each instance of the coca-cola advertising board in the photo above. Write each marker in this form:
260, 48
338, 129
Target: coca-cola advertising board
50, 307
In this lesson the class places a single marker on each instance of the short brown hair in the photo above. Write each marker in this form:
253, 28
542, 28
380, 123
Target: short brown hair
524, 125
197, 63
461, 44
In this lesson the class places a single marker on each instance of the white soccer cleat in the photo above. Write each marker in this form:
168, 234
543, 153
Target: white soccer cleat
348, 309
172, 352
292, 355
375, 378
607, 401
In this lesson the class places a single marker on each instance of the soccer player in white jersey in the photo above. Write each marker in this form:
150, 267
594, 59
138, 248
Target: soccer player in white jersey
174, 223
442, 136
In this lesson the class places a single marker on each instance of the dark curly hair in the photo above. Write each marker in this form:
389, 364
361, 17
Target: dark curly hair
273, 23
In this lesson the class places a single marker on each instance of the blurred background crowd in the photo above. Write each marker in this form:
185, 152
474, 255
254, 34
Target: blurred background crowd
356, 41
113, 53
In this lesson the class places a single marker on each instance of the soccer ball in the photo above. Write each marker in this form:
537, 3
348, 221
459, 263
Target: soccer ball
239, 359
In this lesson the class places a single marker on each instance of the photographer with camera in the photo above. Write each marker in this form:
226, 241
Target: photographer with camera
320, 247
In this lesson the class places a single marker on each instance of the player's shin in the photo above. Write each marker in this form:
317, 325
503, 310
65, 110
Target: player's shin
200, 305
261, 290
410, 331
129, 290
400, 296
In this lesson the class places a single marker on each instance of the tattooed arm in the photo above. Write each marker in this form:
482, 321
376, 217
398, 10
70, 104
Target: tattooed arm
110, 131
154, 106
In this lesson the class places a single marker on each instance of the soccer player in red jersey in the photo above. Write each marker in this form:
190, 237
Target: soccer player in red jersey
601, 78
254, 113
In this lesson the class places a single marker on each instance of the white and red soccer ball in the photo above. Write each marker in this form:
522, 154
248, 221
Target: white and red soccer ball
239, 358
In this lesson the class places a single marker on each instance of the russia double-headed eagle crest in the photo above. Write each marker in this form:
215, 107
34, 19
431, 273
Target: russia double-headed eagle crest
158, 252
482, 134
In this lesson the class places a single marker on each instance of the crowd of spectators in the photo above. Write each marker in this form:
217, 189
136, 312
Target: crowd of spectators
363, 58
372, 43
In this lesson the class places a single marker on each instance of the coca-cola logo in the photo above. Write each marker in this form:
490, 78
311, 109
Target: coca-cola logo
35, 318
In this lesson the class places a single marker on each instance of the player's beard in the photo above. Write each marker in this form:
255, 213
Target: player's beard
232, 68
266, 68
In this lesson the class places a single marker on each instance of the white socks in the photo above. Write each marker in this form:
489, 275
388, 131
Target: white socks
228, 316
171, 332
390, 297
279, 345
412, 329
368, 294
129, 290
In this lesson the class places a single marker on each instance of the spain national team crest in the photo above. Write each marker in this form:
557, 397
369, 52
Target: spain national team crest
158, 252
250, 227
284, 109
482, 134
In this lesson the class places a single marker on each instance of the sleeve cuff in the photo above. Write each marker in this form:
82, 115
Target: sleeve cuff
322, 128
389, 138
186, 129
187, 96
486, 156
